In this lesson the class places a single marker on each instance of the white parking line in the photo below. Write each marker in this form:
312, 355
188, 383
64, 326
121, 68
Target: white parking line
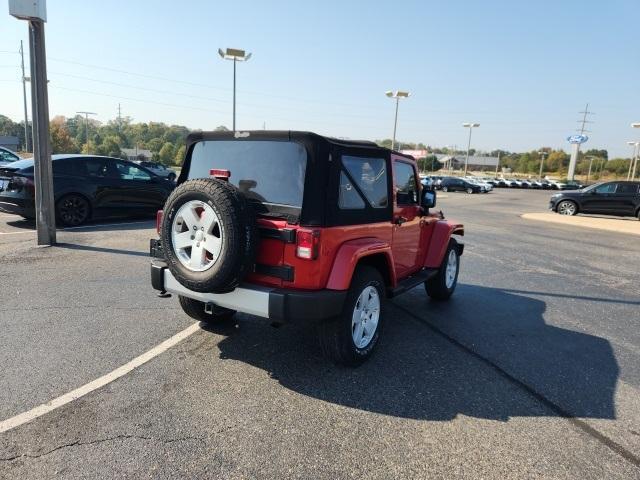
40, 410
17, 233
108, 225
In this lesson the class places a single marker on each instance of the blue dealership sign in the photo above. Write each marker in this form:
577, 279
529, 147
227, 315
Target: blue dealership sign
577, 138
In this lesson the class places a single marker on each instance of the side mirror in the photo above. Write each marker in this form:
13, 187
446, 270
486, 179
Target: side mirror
428, 199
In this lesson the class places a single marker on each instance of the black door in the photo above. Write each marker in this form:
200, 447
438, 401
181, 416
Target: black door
599, 199
140, 190
623, 200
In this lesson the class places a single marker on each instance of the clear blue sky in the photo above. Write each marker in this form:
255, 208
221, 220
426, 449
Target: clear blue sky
521, 69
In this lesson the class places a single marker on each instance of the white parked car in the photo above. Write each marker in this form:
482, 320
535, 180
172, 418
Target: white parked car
7, 156
158, 169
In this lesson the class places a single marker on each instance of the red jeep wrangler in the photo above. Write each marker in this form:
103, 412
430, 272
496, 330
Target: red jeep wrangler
296, 227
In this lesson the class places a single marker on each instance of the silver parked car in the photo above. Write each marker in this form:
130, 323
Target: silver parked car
159, 169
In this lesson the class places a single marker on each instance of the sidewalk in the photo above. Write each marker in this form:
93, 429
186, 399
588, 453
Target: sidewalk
628, 225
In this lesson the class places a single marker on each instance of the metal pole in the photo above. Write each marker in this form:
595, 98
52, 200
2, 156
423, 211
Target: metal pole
466, 160
541, 165
234, 94
497, 164
635, 147
395, 125
635, 164
589, 172
24, 96
45, 214
86, 130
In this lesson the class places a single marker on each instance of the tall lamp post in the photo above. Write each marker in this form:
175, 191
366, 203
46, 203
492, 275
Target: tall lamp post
398, 94
35, 12
635, 161
470, 126
591, 157
542, 154
237, 56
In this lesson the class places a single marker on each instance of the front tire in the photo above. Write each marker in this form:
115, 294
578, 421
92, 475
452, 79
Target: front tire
196, 310
567, 207
350, 338
469, 190
442, 285
445, 189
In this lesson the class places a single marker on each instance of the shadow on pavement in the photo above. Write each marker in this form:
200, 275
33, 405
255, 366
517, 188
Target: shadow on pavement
420, 373
106, 225
92, 248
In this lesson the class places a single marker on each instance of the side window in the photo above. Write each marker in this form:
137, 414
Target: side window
627, 188
606, 188
130, 172
7, 157
96, 168
405, 182
348, 197
370, 176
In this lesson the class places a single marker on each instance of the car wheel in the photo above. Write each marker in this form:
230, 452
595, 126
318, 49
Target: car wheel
171, 177
442, 285
445, 189
196, 310
351, 338
469, 190
567, 207
73, 210
210, 234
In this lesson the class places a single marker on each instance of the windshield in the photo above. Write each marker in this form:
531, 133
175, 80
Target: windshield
19, 164
270, 172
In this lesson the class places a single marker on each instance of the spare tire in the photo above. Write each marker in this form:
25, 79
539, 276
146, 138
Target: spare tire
209, 235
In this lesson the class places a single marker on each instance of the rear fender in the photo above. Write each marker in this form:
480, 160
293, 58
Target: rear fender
442, 233
352, 252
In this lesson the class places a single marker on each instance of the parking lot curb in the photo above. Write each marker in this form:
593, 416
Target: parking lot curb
619, 225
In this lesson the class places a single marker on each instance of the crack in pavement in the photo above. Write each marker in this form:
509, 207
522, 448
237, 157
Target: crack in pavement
102, 440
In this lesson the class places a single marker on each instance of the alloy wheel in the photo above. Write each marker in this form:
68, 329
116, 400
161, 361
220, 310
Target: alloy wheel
196, 235
365, 318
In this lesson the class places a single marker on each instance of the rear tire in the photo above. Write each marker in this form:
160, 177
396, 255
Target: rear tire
442, 285
73, 210
445, 189
469, 190
350, 338
195, 309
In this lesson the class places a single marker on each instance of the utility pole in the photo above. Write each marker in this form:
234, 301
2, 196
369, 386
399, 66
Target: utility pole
86, 126
497, 164
119, 119
542, 155
35, 13
577, 140
24, 96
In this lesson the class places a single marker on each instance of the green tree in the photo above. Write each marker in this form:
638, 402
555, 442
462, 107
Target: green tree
110, 147
167, 153
179, 157
61, 141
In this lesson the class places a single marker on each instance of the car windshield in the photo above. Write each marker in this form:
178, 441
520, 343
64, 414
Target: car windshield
269, 172
20, 164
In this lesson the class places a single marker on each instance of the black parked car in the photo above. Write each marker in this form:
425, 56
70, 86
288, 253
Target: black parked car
612, 198
85, 186
453, 184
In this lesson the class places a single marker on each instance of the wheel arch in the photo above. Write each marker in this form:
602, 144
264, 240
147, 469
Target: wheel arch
442, 235
364, 251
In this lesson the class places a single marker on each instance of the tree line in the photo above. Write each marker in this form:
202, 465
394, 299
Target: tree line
555, 161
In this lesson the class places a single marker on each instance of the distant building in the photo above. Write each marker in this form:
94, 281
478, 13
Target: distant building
134, 154
456, 162
10, 142
416, 153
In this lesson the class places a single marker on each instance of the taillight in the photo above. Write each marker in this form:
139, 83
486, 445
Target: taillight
219, 173
159, 215
307, 244
17, 184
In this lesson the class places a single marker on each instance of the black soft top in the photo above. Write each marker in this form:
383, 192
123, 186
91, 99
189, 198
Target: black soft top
320, 188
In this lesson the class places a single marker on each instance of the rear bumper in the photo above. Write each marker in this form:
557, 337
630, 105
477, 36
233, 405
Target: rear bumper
275, 304
17, 206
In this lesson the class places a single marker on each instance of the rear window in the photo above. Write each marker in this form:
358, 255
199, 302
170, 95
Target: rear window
267, 171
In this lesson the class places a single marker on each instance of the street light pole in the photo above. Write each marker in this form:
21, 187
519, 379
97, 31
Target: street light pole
635, 161
470, 126
398, 94
237, 56
633, 157
24, 97
590, 163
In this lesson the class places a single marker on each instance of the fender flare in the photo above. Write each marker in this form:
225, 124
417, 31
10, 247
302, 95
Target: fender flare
348, 256
440, 238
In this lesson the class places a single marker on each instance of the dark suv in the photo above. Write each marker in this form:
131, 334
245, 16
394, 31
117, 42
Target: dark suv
454, 184
296, 227
611, 198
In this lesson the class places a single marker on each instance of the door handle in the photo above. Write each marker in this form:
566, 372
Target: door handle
399, 220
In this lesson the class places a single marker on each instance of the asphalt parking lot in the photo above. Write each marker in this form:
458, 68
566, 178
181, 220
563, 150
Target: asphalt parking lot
532, 370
